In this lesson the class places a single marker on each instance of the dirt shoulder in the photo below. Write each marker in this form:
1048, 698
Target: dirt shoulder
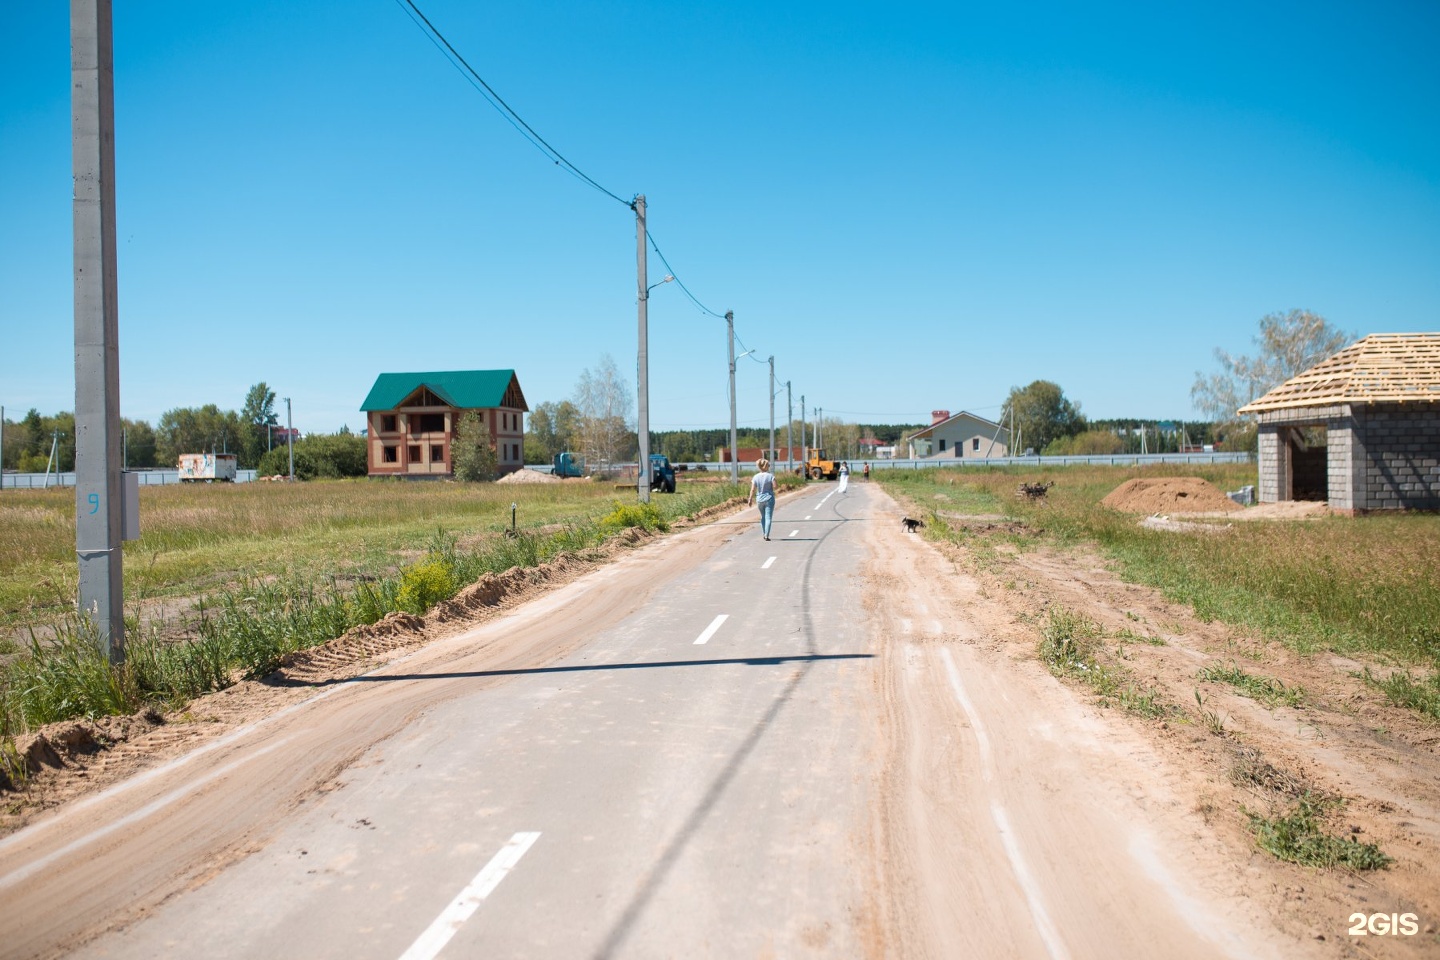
1375, 766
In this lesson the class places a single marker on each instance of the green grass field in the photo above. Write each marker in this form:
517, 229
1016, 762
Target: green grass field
202, 537
252, 572
1349, 585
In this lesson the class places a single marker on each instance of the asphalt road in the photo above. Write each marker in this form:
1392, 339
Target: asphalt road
690, 779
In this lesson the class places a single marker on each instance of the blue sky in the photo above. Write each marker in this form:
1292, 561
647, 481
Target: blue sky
912, 206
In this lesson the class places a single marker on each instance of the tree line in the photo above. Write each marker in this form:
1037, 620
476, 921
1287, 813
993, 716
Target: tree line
248, 433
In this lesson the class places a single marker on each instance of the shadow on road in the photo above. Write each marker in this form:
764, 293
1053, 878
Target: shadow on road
275, 680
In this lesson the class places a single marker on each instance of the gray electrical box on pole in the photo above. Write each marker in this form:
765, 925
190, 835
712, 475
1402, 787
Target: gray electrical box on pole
99, 499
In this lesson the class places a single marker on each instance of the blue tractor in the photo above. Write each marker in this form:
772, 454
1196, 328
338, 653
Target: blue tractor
662, 474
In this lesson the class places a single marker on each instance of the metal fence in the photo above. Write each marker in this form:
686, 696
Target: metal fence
1107, 460
24, 481
156, 478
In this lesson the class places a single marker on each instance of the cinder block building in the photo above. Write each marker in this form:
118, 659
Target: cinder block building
411, 419
1360, 430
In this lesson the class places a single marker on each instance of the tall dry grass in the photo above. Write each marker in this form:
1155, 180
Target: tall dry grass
196, 537
1346, 584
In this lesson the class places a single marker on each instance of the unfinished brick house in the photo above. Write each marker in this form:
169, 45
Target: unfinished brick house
1360, 430
411, 419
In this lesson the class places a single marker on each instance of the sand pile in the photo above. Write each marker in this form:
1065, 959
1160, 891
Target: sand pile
1169, 495
528, 476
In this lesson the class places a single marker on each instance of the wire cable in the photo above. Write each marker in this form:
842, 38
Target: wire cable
498, 102
681, 283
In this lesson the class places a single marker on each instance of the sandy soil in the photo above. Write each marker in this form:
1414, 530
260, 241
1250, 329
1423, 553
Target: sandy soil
1169, 495
1343, 742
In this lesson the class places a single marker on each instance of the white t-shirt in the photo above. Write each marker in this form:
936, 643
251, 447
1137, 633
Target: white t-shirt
763, 484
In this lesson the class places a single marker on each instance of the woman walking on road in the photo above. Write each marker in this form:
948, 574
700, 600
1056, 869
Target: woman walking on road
762, 494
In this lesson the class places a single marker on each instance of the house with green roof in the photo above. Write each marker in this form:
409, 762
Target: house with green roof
411, 419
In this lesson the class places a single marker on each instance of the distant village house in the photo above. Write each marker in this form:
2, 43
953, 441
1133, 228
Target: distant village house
962, 435
411, 420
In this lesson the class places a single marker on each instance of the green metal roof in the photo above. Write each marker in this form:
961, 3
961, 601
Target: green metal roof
465, 389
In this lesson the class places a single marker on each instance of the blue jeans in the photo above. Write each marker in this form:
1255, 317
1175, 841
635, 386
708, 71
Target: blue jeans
767, 509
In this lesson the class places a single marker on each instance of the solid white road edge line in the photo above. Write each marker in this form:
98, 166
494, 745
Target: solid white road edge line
710, 630
766, 564
1043, 926
453, 917
34, 866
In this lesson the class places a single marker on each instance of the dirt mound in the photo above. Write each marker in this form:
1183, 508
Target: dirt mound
528, 476
61, 745
1169, 495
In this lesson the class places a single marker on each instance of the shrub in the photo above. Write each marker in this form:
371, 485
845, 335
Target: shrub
277, 462
1089, 443
426, 584
625, 515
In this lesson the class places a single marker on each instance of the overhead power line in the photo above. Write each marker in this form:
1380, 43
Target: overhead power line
458, 61
649, 235
504, 109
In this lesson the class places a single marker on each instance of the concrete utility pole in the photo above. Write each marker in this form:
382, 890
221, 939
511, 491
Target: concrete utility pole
820, 427
771, 454
789, 422
730, 342
642, 357
2, 448
804, 450
99, 498
290, 438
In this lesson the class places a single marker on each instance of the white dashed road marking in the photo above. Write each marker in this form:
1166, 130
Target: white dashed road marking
794, 532
710, 630
433, 940
766, 564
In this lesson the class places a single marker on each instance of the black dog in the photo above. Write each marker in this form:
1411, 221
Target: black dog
912, 525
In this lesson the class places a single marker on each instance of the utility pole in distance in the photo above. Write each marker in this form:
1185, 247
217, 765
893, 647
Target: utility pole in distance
290, 438
98, 495
771, 454
804, 450
730, 342
789, 422
642, 356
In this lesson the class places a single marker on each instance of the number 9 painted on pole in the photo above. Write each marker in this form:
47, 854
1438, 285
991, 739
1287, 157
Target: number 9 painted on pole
94, 500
